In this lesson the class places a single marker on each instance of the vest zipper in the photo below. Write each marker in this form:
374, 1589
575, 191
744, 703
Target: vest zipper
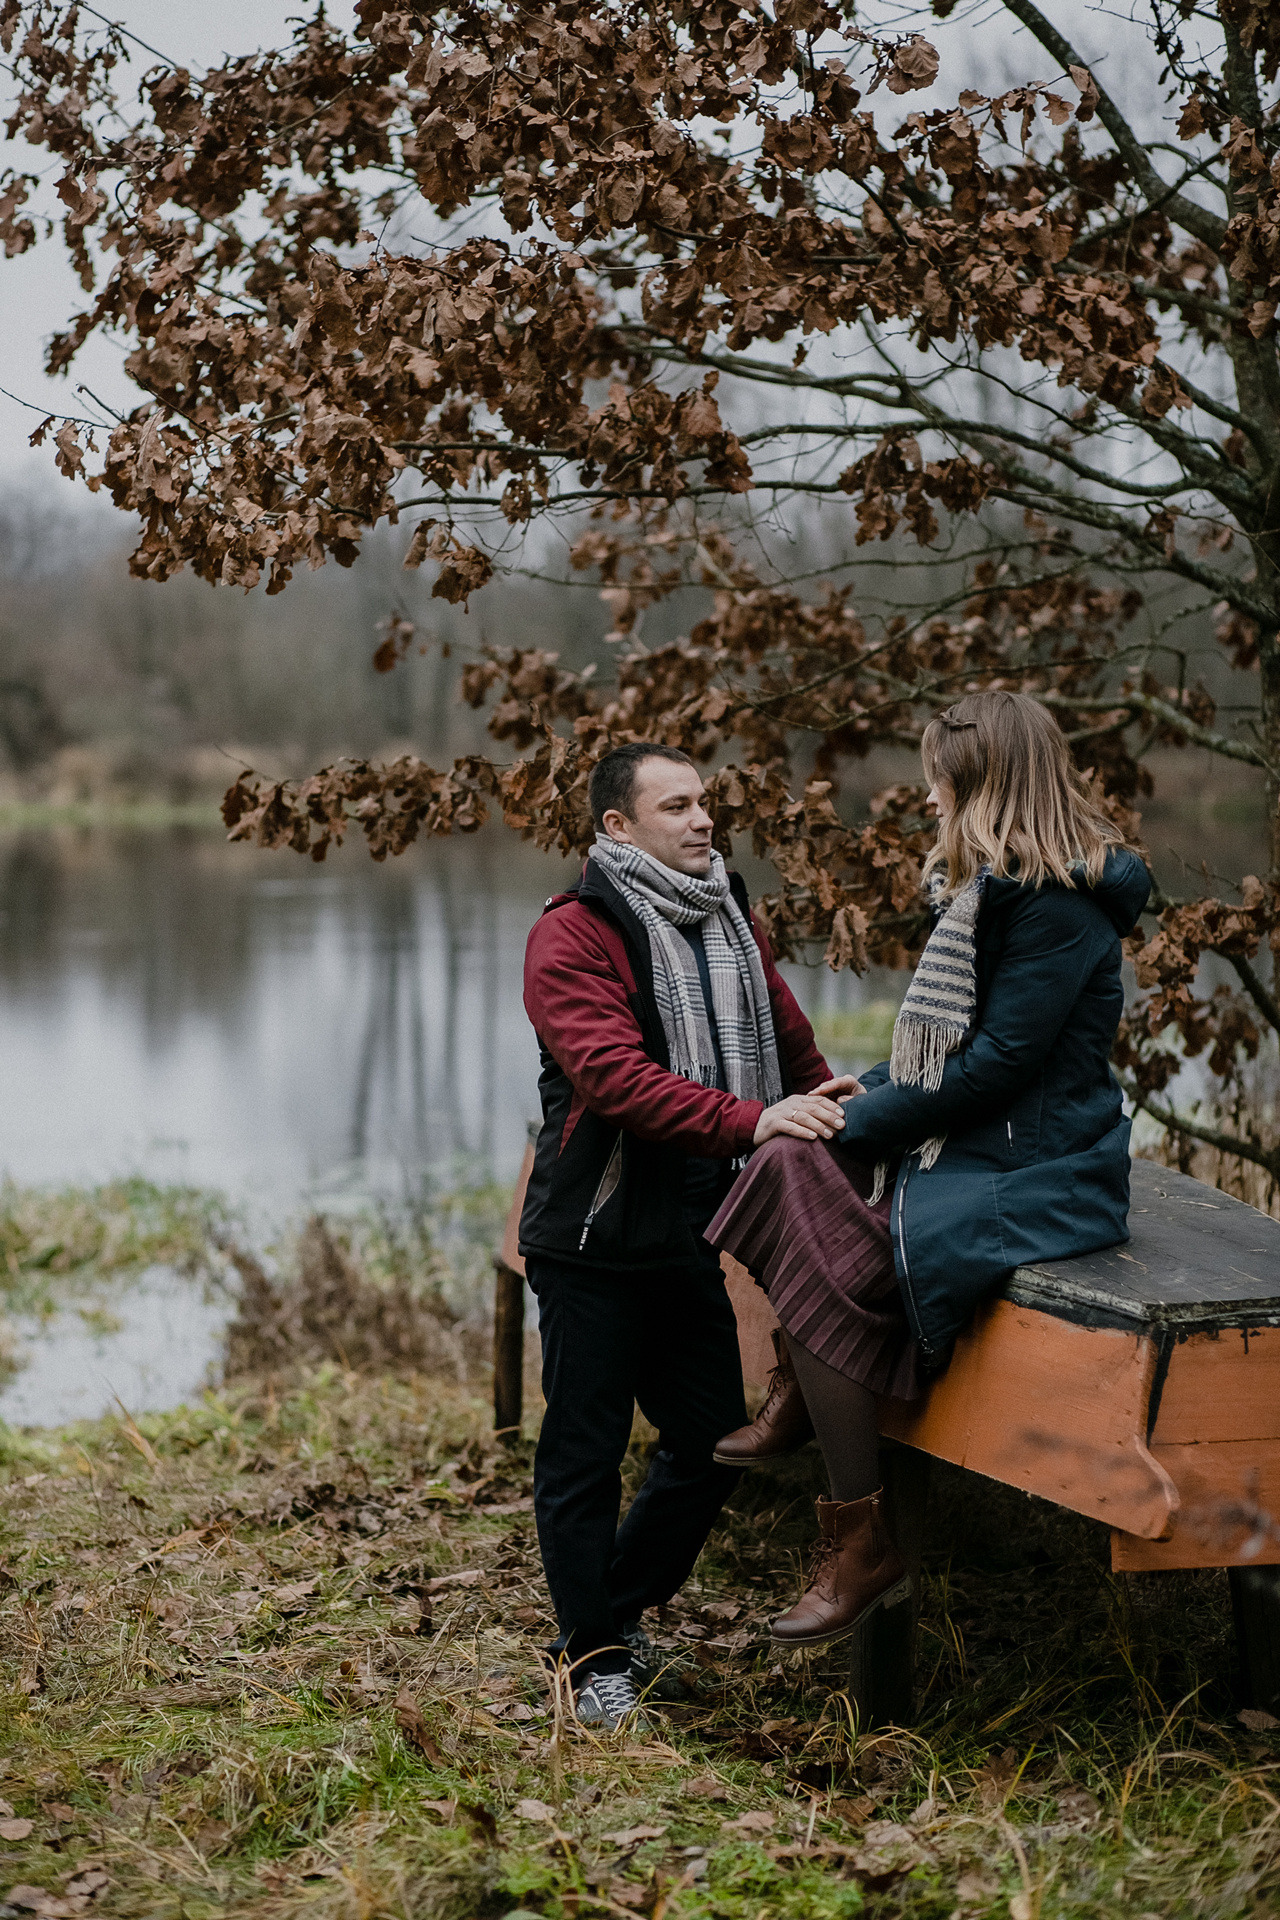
606, 1190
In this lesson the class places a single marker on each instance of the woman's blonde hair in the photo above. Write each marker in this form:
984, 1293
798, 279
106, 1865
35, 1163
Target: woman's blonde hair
1021, 807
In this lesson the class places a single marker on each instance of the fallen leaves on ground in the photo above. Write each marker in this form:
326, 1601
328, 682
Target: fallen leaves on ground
266, 1688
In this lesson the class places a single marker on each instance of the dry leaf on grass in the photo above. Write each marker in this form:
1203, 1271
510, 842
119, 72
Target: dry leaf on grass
755, 1822
15, 1829
1078, 1804
1257, 1719
975, 1885
414, 1728
49, 1906
706, 1787
632, 1836
470, 1577
533, 1810
90, 1878
853, 1811
291, 1598
994, 1781
628, 1893
889, 1833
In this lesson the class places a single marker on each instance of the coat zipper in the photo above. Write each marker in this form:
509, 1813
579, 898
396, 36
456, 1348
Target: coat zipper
902, 1242
605, 1191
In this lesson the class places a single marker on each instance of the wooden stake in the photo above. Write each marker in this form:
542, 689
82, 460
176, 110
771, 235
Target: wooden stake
882, 1654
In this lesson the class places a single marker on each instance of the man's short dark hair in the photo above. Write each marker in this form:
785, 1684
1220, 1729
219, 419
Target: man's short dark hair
613, 779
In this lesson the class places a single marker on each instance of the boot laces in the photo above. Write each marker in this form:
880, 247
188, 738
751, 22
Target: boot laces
821, 1560
776, 1387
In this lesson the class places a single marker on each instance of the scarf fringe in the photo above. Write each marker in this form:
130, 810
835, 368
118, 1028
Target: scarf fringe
928, 1157
920, 1050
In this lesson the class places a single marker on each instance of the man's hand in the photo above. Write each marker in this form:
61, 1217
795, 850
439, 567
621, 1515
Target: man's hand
805, 1116
842, 1087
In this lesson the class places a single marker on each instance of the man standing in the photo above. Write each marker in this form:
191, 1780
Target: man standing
670, 1046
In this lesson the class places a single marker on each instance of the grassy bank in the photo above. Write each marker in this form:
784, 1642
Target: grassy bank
18, 815
278, 1651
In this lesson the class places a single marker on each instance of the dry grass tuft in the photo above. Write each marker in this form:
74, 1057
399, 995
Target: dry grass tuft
328, 1306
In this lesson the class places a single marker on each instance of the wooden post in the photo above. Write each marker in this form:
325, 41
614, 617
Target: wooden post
883, 1654
508, 1347
508, 1309
1255, 1601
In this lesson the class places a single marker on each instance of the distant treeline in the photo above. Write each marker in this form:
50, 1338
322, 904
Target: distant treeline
111, 686
115, 688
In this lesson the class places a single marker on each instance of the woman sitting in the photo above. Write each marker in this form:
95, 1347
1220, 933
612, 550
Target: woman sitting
993, 1136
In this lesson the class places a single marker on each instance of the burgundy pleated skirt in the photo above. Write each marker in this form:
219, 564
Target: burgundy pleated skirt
801, 1220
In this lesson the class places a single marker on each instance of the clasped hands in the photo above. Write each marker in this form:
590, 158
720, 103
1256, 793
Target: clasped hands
808, 1116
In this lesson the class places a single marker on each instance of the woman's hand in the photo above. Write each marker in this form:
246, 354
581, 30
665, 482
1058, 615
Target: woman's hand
805, 1116
844, 1086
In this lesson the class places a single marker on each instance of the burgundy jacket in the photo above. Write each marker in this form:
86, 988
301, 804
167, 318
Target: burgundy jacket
617, 1124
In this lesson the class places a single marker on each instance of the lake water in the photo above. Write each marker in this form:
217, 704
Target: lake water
293, 1035
297, 1037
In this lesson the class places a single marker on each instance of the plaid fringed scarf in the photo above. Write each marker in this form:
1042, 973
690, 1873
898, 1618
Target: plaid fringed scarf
663, 900
939, 1005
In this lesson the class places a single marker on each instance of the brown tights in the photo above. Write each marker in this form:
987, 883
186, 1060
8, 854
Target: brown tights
846, 1421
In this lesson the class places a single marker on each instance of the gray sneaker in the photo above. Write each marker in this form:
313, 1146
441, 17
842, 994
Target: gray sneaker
608, 1700
651, 1671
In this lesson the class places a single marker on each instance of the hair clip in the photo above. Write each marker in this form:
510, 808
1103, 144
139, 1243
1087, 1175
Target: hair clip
957, 726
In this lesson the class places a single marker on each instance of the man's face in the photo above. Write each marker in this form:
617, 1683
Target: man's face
668, 821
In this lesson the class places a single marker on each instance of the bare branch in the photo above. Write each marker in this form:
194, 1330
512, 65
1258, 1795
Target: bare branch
1264, 1000
1211, 1136
1206, 226
1169, 716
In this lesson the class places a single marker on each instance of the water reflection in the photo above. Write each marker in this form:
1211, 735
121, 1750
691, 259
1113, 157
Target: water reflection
288, 1033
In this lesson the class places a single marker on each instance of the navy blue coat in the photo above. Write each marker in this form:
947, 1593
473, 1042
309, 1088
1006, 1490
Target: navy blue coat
1036, 1160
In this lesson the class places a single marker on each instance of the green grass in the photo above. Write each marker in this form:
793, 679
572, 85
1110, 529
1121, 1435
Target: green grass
206, 1622
58, 1243
865, 1033
18, 814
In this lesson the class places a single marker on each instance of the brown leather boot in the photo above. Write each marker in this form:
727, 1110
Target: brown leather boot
856, 1568
782, 1425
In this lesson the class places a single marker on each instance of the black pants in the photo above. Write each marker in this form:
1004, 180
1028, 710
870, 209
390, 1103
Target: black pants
668, 1340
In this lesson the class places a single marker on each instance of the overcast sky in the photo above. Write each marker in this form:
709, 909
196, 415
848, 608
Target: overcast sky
38, 292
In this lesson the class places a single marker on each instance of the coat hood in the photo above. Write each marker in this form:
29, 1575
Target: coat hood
1121, 892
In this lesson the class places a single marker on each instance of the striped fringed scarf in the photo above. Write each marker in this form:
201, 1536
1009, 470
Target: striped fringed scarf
663, 900
939, 1005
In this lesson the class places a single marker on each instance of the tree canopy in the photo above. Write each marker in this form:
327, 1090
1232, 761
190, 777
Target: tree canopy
672, 273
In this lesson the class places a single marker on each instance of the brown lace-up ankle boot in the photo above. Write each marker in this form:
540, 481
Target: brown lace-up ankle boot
856, 1568
782, 1425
